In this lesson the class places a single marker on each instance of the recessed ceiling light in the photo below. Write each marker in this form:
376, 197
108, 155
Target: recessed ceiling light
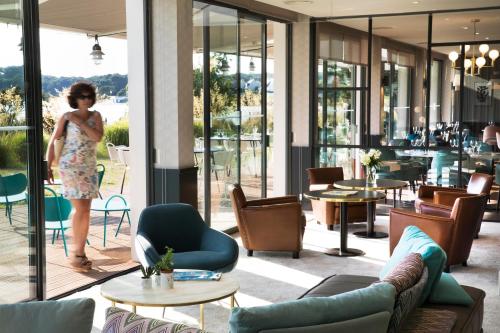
415, 2
486, 38
476, 33
447, 19
297, 2
465, 28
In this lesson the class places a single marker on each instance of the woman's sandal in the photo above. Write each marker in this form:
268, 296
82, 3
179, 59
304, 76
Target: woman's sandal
80, 263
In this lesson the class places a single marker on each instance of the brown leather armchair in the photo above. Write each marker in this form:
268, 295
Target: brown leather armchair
272, 224
479, 183
328, 212
451, 227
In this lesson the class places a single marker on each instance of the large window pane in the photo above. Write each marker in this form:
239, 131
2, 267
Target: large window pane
16, 229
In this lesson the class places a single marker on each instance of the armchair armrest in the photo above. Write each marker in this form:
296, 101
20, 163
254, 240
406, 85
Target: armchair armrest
428, 191
447, 198
436, 227
146, 252
273, 201
321, 187
429, 208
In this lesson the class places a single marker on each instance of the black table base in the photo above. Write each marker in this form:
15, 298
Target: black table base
373, 234
344, 253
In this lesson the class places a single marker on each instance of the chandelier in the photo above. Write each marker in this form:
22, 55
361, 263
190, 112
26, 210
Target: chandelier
474, 64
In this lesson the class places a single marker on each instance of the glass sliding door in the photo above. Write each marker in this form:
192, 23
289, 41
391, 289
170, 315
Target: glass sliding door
230, 122
19, 277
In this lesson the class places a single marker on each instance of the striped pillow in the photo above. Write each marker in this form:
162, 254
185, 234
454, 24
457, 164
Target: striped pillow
122, 321
407, 273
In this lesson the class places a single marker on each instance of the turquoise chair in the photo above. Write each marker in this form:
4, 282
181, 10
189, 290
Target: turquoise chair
57, 211
101, 169
115, 203
12, 190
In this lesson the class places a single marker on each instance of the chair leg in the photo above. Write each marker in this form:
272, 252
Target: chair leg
9, 212
464, 263
295, 255
87, 240
105, 221
57, 236
330, 227
447, 269
53, 236
250, 253
120, 224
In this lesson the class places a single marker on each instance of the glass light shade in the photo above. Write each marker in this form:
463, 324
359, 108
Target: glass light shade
483, 48
96, 54
467, 48
493, 54
467, 63
453, 56
480, 62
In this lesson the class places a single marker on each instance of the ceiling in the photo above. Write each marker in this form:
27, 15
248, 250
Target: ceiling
328, 8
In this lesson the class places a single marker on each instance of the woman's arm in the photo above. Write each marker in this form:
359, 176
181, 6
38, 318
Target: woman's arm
94, 133
58, 132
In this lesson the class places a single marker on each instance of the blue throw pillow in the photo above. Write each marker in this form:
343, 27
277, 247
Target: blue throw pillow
416, 241
74, 315
314, 310
448, 291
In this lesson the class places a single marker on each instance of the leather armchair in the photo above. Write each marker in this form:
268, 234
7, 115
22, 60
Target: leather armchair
272, 224
328, 212
452, 228
479, 183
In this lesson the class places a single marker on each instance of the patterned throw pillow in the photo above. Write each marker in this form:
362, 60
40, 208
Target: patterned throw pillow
122, 321
407, 273
406, 302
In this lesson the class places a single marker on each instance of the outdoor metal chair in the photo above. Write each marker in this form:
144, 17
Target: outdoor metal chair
12, 190
115, 203
57, 212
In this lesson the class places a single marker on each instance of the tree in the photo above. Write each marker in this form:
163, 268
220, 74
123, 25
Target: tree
11, 107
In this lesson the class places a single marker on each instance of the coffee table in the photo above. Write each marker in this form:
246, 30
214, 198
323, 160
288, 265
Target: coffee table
127, 289
360, 196
380, 184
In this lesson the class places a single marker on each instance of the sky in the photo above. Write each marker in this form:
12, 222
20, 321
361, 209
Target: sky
65, 53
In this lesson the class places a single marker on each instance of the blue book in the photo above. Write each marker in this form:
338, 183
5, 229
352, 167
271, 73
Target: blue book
197, 276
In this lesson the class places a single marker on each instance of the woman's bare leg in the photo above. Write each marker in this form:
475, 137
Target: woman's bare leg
81, 221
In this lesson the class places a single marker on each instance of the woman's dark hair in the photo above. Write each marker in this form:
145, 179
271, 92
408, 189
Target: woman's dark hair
77, 90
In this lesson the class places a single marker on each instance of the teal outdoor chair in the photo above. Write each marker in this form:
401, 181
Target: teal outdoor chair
115, 203
12, 190
195, 244
57, 212
101, 169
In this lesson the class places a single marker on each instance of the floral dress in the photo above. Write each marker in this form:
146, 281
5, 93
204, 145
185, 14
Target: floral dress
77, 165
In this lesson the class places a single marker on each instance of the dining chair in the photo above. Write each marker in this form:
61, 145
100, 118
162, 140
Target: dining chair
115, 203
57, 212
101, 169
113, 153
12, 190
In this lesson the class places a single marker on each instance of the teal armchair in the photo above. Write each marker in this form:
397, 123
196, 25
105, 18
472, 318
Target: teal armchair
180, 226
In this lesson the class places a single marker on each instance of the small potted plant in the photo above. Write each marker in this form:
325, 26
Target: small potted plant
166, 267
147, 272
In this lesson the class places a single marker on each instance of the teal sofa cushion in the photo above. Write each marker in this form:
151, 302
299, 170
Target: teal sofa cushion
375, 323
73, 316
415, 240
315, 310
448, 291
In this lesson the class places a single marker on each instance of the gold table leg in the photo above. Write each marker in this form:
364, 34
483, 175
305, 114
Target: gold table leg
202, 316
134, 309
232, 301
113, 303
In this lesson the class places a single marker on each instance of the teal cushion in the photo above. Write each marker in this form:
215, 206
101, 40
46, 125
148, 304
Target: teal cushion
448, 291
314, 310
375, 323
73, 316
415, 240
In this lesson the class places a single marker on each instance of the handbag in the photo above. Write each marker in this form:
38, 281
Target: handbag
59, 145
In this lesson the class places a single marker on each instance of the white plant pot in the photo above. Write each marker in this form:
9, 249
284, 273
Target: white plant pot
147, 283
156, 280
167, 280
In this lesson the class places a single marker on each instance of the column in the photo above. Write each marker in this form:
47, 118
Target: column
175, 177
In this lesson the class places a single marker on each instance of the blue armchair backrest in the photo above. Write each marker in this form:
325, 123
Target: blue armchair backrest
176, 225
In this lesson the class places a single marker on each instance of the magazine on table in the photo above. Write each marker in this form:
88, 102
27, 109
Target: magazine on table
196, 275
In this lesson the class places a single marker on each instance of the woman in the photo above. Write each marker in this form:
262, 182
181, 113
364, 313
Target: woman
82, 129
